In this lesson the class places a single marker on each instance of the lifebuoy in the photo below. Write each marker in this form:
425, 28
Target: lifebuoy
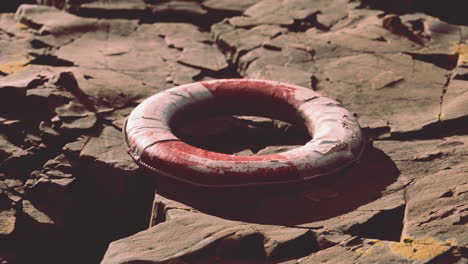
337, 140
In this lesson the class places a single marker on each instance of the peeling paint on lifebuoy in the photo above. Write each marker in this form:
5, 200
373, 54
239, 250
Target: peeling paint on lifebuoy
337, 140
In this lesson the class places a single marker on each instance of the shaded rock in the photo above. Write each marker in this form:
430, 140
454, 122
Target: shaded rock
14, 161
35, 214
208, 127
52, 195
182, 238
10, 151
244, 244
58, 167
287, 243
239, 135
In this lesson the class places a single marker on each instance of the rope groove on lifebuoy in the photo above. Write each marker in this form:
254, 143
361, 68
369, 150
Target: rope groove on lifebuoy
337, 140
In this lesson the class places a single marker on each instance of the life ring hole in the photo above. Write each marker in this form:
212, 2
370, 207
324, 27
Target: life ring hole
241, 126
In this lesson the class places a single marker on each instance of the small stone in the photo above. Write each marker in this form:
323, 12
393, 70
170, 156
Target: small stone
38, 216
244, 244
48, 131
7, 222
13, 183
227, 5
385, 79
10, 152
428, 156
40, 92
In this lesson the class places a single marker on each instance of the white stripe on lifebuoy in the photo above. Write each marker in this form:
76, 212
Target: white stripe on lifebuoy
337, 140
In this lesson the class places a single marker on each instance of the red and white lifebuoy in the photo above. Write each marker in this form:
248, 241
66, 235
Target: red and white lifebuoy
337, 140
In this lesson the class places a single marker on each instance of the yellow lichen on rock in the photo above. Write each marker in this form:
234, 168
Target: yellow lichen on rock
14, 66
7, 222
21, 25
369, 250
462, 51
421, 249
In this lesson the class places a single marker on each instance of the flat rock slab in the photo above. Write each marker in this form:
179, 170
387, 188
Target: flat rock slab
187, 232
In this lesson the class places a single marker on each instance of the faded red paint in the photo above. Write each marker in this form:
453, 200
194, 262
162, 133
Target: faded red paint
266, 89
176, 157
185, 151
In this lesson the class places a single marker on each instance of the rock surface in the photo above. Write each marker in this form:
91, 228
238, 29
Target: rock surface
71, 71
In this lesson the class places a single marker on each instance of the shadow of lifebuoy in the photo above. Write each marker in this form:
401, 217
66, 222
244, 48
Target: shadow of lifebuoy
292, 204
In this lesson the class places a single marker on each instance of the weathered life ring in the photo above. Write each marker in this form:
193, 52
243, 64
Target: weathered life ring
337, 140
